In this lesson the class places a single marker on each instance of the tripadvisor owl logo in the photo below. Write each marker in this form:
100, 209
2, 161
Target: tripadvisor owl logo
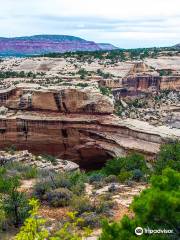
139, 231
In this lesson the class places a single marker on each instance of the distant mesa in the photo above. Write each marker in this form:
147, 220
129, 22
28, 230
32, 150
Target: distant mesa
177, 45
107, 46
42, 44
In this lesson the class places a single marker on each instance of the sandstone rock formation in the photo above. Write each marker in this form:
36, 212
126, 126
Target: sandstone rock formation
40, 162
83, 129
58, 99
141, 78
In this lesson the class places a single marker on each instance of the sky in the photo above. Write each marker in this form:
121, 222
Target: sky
124, 23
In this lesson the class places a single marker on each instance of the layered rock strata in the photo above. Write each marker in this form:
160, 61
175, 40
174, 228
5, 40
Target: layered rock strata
85, 131
141, 79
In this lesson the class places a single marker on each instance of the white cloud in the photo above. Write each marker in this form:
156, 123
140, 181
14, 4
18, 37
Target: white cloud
123, 22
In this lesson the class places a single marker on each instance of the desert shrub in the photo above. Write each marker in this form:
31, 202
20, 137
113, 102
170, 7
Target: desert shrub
104, 207
137, 175
169, 156
156, 208
21, 170
61, 181
83, 85
114, 166
100, 206
90, 219
16, 208
44, 173
77, 180
30, 172
137, 103
98, 185
78, 188
13, 203
72, 182
96, 177
59, 197
103, 74
34, 225
81, 204
123, 166
105, 91
92, 212
77, 177
82, 71
111, 179
125, 176
3, 219
50, 158
42, 187
70, 229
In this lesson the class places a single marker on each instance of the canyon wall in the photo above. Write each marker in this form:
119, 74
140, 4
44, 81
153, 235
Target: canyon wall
141, 79
78, 132
58, 99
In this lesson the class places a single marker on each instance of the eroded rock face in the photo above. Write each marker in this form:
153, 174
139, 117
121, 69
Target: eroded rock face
62, 99
142, 83
81, 133
142, 78
170, 82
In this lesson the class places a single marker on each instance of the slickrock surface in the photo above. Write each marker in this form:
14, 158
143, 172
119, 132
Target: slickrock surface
40, 162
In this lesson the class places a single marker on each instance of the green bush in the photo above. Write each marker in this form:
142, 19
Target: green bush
104, 207
90, 219
3, 218
78, 188
125, 176
61, 181
70, 229
137, 175
21, 170
31, 172
34, 225
96, 177
83, 85
105, 91
120, 166
81, 204
111, 179
156, 208
16, 208
74, 182
169, 156
14, 204
42, 187
59, 197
